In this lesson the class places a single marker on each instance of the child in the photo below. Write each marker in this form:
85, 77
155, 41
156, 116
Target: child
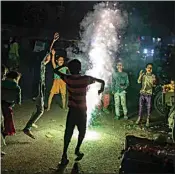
148, 82
120, 83
41, 96
77, 86
59, 86
10, 95
168, 91
13, 59
169, 87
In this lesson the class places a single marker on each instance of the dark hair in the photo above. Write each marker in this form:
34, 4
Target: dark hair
149, 64
13, 75
57, 57
74, 66
14, 39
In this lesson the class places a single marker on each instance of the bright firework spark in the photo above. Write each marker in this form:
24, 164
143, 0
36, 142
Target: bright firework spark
99, 43
90, 135
105, 41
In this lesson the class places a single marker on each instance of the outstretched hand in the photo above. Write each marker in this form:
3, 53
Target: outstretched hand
56, 36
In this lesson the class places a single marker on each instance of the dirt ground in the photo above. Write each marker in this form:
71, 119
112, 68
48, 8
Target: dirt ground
102, 150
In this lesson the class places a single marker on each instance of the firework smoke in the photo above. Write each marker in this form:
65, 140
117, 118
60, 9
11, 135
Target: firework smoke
100, 38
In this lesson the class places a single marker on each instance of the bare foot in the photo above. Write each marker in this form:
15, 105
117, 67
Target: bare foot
48, 109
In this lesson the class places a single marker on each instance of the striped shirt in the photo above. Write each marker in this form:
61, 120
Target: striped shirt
77, 88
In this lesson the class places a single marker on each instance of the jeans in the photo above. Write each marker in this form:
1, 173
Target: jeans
120, 97
39, 108
147, 99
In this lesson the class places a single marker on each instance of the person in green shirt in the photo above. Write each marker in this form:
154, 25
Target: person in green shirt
120, 83
10, 95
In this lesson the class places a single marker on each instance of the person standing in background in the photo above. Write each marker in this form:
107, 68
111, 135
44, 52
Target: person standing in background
120, 83
13, 55
147, 79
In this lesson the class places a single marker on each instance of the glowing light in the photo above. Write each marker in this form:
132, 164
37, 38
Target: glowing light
105, 43
90, 135
145, 51
158, 39
100, 38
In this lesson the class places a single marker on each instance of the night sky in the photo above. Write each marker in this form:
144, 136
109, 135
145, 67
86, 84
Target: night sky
158, 12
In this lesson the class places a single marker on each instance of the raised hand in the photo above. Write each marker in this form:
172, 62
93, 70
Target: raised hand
53, 52
141, 73
56, 36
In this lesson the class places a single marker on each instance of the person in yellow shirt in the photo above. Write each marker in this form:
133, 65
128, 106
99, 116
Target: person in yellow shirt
13, 56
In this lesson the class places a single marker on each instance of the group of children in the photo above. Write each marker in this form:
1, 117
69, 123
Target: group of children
147, 80
76, 85
69, 79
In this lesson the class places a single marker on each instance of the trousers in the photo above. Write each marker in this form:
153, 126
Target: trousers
145, 98
39, 108
120, 98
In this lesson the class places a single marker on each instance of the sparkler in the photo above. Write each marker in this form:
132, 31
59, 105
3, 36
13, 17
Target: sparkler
100, 38
104, 44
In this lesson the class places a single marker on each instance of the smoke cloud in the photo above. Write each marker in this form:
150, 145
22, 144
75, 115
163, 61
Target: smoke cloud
100, 39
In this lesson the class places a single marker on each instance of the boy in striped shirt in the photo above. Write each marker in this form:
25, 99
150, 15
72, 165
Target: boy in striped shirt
77, 87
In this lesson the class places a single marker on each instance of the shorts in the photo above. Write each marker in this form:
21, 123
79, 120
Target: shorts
59, 86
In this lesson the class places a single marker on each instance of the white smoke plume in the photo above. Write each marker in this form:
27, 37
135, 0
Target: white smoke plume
100, 39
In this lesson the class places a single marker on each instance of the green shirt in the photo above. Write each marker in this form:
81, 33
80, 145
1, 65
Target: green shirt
63, 70
120, 82
10, 91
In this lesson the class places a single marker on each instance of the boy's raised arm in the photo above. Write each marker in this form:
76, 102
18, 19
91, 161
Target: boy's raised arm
55, 38
102, 85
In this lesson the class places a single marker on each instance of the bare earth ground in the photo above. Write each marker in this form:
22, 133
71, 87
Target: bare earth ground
25, 155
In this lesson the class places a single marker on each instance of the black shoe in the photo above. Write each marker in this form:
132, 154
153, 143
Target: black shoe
29, 133
64, 161
79, 155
